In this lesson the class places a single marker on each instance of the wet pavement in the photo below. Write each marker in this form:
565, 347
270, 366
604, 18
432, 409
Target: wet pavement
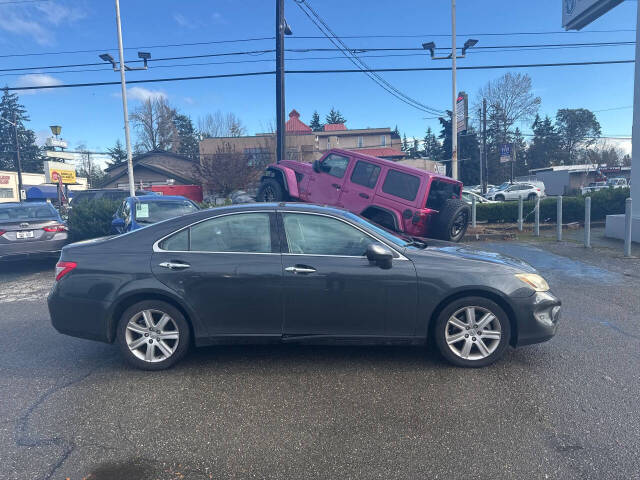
566, 409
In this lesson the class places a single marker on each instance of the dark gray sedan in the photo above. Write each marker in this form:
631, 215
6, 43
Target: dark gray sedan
294, 273
30, 229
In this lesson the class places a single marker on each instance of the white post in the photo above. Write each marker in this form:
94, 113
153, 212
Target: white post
454, 116
536, 230
635, 141
520, 213
627, 227
473, 211
559, 219
587, 222
127, 135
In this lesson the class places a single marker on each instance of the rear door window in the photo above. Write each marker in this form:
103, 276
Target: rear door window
365, 174
400, 184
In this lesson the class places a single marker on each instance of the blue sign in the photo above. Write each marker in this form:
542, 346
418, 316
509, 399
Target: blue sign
505, 152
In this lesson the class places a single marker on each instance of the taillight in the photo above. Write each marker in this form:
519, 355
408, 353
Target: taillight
2, 232
62, 268
55, 228
537, 189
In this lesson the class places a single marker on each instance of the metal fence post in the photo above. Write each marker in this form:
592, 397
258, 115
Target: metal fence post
473, 211
587, 222
536, 230
627, 227
520, 219
559, 219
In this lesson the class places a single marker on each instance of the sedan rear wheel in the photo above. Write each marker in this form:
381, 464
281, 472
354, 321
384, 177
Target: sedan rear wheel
153, 335
472, 332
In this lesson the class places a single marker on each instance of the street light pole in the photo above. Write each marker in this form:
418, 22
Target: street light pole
280, 125
454, 116
127, 135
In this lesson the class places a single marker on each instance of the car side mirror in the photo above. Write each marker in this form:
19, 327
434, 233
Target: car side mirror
316, 166
379, 255
117, 225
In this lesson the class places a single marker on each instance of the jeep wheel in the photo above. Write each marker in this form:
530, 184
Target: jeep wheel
452, 221
271, 191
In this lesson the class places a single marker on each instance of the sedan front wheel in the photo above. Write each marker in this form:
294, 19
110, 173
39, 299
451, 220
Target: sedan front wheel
472, 332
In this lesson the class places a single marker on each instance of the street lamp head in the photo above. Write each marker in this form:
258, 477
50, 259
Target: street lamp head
470, 43
430, 46
144, 55
56, 129
287, 29
106, 57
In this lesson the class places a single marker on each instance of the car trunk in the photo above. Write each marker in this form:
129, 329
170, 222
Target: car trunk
24, 231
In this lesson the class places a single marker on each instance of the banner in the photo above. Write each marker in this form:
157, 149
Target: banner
56, 172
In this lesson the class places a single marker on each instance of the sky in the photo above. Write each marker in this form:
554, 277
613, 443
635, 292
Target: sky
63, 32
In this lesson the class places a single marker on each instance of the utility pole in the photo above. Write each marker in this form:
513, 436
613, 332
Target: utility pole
454, 88
513, 159
127, 135
18, 162
280, 125
484, 146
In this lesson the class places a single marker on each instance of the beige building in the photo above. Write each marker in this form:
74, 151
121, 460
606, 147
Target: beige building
305, 145
44, 191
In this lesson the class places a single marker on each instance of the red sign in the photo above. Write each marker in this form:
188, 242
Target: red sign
55, 176
4, 179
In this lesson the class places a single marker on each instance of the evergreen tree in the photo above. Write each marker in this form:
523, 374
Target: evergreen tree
30, 153
118, 154
186, 138
405, 143
335, 116
414, 150
396, 132
544, 149
315, 124
468, 152
432, 147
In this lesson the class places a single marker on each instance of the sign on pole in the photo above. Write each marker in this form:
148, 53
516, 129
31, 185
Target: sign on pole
462, 111
506, 152
577, 14
62, 155
57, 172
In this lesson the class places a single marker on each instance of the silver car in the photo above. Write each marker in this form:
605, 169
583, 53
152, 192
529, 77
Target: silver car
30, 229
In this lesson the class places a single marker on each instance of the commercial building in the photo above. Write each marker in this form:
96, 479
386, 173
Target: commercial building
153, 168
568, 179
306, 145
34, 185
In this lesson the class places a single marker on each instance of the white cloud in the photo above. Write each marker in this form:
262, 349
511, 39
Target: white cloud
37, 20
189, 100
36, 80
183, 21
217, 18
143, 94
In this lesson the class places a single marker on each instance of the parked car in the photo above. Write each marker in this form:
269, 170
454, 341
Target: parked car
467, 196
138, 212
516, 190
397, 197
616, 182
116, 194
30, 229
293, 272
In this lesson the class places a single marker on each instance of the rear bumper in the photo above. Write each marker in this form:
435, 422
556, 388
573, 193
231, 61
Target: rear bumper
537, 318
19, 250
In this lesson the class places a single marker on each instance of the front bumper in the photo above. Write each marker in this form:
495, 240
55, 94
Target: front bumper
537, 318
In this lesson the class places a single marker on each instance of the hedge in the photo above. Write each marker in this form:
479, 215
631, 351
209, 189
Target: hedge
91, 219
603, 203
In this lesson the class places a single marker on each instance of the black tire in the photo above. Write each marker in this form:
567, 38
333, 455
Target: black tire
531, 197
271, 191
452, 221
499, 198
443, 331
177, 323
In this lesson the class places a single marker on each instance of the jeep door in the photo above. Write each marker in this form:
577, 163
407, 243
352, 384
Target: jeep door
359, 189
325, 186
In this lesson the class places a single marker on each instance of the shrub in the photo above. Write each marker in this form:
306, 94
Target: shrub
91, 219
603, 203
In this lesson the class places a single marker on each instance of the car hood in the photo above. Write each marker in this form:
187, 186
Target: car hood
461, 252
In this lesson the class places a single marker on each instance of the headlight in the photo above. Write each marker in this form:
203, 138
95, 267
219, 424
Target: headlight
534, 280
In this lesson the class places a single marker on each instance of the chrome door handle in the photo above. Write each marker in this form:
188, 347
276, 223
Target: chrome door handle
174, 265
300, 270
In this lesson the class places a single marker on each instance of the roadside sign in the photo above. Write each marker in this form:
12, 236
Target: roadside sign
62, 155
506, 152
462, 111
577, 14
57, 172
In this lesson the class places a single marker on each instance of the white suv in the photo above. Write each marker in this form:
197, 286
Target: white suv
525, 190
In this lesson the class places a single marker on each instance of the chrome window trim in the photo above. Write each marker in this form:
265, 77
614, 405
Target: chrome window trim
157, 249
370, 235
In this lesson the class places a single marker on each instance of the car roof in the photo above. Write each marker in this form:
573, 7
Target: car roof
156, 198
24, 203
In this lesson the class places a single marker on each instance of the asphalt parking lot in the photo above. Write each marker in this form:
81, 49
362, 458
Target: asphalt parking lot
566, 409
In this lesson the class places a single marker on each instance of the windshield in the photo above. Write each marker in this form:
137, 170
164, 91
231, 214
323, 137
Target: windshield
394, 238
152, 212
26, 212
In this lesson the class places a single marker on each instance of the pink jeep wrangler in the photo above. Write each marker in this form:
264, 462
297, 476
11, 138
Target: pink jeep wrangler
397, 197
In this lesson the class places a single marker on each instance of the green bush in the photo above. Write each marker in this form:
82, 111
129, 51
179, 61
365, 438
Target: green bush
603, 203
91, 219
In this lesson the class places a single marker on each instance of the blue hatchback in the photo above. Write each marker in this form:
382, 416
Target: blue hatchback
138, 212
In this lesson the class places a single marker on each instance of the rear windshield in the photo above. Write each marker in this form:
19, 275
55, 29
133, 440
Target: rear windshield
441, 192
26, 212
152, 212
401, 185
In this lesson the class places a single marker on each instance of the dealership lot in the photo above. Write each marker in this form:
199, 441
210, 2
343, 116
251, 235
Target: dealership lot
563, 409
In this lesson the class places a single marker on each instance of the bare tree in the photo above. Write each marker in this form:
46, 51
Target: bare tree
88, 167
510, 100
226, 170
154, 124
220, 124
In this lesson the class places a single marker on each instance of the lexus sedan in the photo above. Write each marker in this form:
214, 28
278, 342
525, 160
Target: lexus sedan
286, 273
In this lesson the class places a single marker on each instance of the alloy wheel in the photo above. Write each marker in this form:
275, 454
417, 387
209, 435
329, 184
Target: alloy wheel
458, 224
152, 335
473, 333
269, 194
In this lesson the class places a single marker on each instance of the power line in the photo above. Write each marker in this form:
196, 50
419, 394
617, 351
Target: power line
14, 2
252, 74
